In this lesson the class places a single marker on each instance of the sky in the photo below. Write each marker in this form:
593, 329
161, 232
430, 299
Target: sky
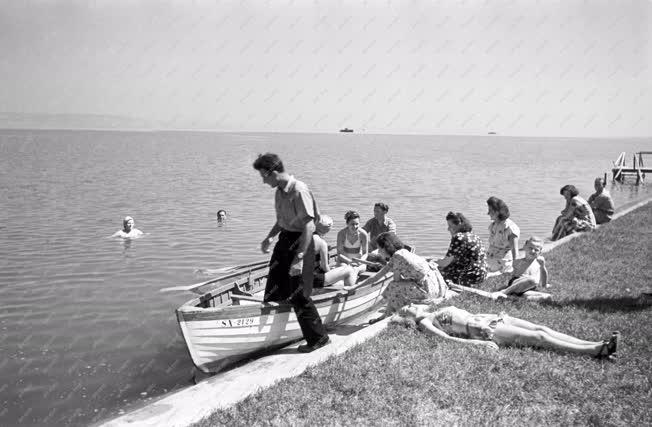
521, 67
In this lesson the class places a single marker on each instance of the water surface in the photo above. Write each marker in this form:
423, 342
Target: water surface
84, 330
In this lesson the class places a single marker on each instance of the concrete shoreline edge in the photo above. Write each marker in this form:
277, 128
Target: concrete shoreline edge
190, 405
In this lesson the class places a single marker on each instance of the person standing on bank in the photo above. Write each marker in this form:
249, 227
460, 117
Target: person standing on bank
295, 221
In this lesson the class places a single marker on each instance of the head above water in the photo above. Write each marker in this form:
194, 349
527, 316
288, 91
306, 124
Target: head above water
127, 223
221, 215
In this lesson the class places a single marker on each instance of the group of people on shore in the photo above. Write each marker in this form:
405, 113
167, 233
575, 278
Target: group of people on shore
581, 215
418, 284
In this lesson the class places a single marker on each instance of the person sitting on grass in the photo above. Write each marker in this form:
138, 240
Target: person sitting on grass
465, 262
529, 272
577, 216
493, 330
503, 237
601, 202
414, 280
324, 274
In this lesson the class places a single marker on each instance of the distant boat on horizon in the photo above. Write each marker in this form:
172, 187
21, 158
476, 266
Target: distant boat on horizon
492, 133
346, 130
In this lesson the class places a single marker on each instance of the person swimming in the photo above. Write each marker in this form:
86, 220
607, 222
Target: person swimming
221, 216
128, 230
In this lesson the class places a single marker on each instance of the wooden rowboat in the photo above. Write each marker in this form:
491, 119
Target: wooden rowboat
229, 322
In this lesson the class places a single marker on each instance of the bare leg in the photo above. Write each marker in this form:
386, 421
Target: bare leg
344, 272
520, 285
534, 327
513, 335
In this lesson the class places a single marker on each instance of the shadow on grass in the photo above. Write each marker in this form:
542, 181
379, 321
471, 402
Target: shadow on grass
604, 304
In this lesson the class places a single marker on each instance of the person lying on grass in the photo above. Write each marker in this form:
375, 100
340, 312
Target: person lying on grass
493, 330
529, 272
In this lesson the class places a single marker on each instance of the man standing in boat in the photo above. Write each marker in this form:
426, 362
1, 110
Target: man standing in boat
295, 216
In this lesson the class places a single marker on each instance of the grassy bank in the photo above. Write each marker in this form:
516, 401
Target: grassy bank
402, 377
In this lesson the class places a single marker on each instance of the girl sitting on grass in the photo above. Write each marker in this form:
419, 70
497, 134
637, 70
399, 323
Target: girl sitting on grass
414, 280
493, 330
529, 272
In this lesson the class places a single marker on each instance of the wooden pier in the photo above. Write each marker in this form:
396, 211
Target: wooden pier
638, 170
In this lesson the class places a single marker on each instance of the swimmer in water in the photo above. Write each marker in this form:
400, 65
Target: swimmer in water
221, 216
128, 230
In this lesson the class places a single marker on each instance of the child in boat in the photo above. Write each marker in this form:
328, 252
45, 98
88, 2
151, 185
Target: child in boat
493, 330
324, 274
529, 272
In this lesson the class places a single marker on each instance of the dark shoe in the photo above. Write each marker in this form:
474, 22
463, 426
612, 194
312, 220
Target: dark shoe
609, 347
309, 348
612, 346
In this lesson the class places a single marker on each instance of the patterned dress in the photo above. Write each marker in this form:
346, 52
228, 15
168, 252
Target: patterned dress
499, 254
579, 218
419, 282
470, 265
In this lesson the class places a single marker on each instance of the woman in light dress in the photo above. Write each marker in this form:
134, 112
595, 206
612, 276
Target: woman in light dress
414, 279
503, 237
577, 216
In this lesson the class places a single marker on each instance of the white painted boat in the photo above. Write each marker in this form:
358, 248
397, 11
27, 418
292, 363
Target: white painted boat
229, 322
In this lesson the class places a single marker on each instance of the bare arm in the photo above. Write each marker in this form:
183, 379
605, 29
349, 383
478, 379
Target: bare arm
543, 272
364, 244
445, 262
383, 271
323, 255
341, 235
513, 241
306, 235
431, 329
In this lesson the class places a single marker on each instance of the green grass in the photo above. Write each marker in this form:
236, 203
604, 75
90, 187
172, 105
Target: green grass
403, 377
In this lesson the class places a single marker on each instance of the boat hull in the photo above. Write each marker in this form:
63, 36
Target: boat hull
220, 336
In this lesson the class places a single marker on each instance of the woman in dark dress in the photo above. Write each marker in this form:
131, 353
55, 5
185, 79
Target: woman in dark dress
465, 262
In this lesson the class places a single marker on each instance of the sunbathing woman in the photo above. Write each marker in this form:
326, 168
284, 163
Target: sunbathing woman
324, 274
492, 330
414, 280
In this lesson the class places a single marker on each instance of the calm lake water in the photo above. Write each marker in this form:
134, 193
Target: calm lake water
84, 330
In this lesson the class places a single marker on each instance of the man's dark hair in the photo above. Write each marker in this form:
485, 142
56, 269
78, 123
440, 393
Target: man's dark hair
382, 206
498, 206
269, 162
459, 220
571, 189
390, 242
